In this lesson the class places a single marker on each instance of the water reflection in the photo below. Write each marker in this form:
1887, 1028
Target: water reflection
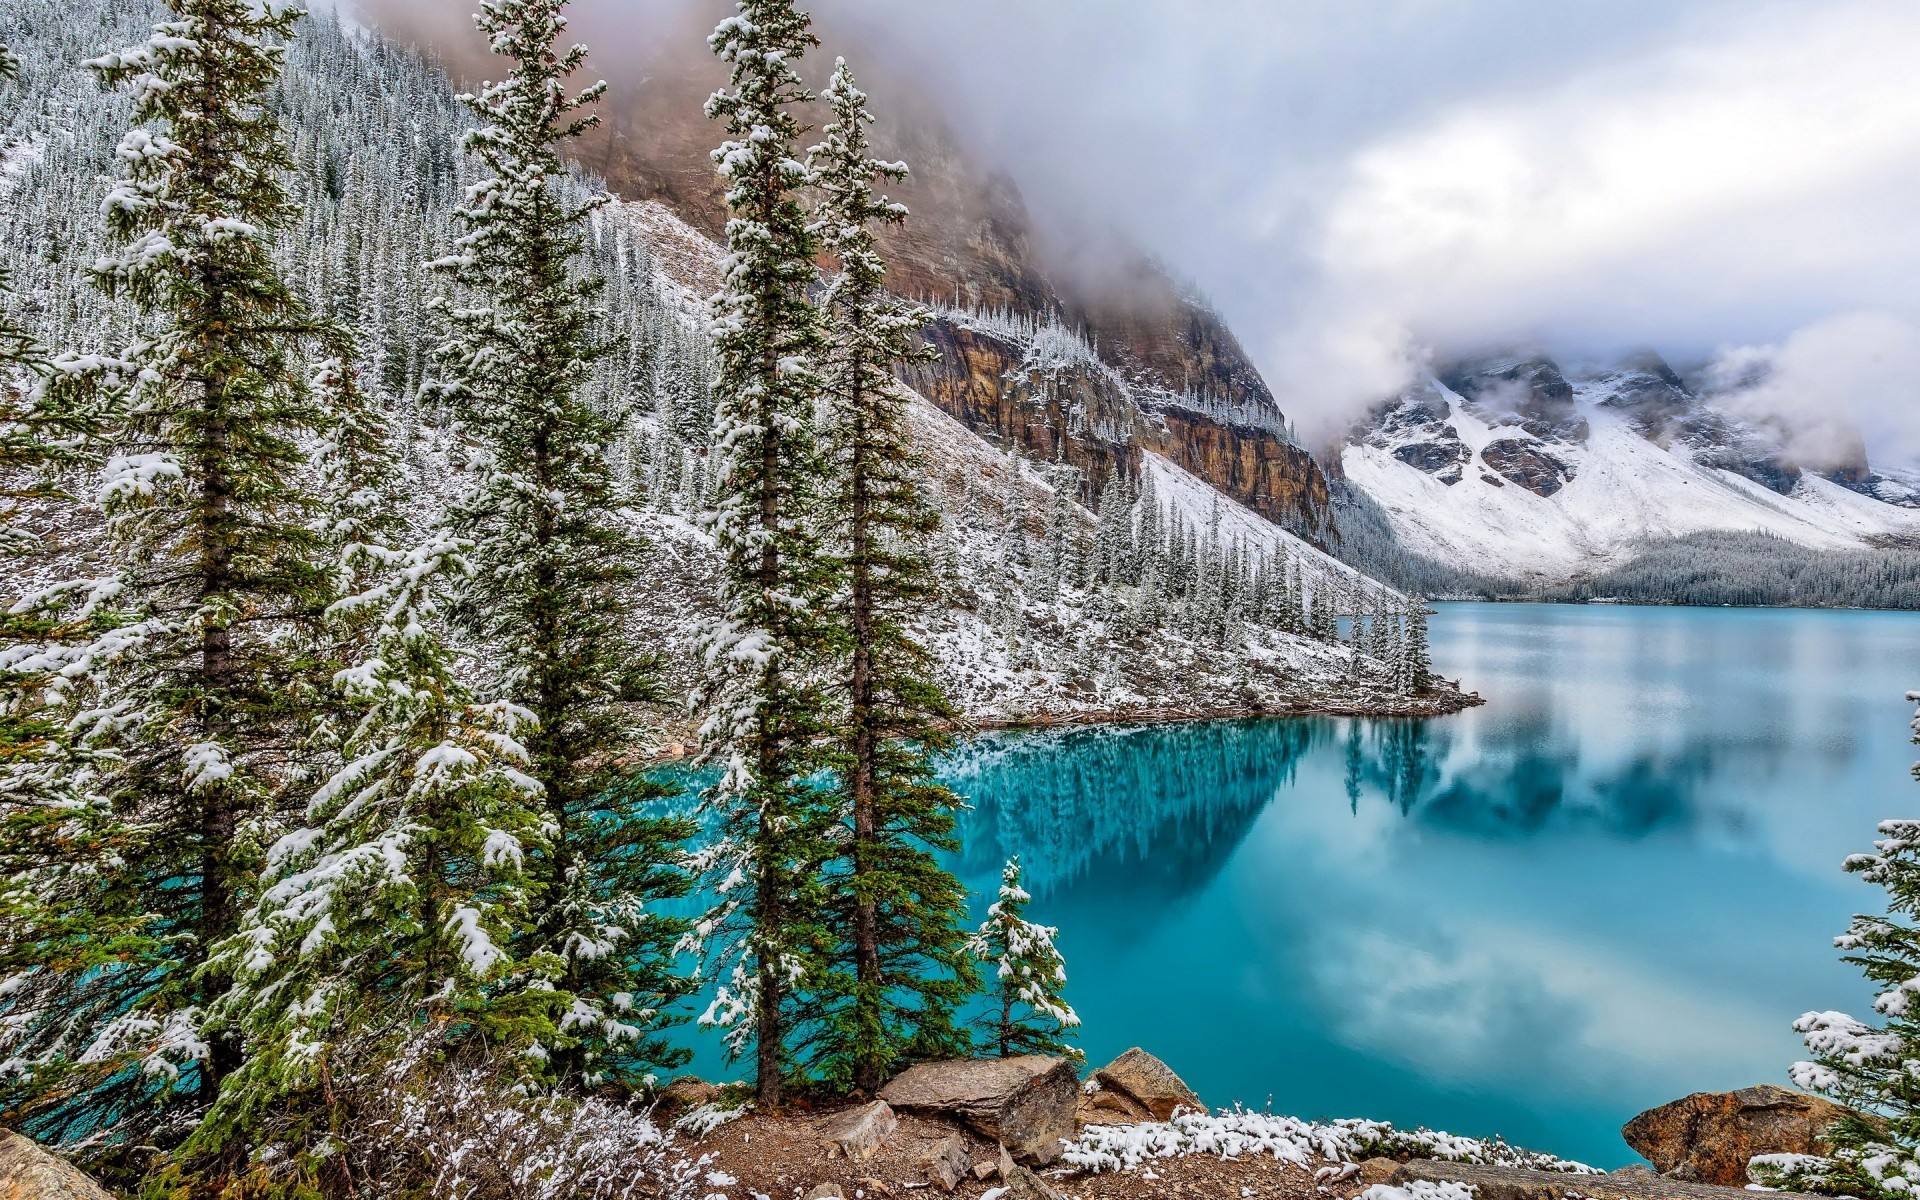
1614, 884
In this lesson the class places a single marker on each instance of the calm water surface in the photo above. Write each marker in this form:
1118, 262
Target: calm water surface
1614, 884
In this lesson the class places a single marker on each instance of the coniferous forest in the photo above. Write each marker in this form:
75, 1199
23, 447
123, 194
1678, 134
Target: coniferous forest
476, 649
344, 438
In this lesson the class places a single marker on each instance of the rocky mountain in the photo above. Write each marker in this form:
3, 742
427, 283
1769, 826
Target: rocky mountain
1178, 599
1165, 374
1515, 467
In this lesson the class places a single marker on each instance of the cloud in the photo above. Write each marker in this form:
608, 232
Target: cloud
1829, 384
1755, 178
1355, 184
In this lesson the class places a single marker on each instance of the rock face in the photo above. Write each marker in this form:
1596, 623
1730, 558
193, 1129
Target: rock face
1056, 401
29, 1173
1711, 1136
1516, 1183
948, 1162
1026, 1103
858, 1133
1142, 1087
1529, 392
1526, 464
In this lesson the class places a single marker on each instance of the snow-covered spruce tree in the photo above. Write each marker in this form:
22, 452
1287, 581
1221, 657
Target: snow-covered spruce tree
55, 834
903, 967
767, 709
392, 912
194, 686
1869, 1068
554, 569
1026, 1012
1419, 661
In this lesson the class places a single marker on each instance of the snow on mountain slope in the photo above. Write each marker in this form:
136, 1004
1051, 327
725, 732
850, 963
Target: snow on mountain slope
1441, 466
1199, 503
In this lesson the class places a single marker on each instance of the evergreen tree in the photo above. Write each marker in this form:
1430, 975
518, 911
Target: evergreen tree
193, 688
1419, 662
554, 570
900, 911
398, 902
1026, 1013
55, 832
1869, 1068
767, 709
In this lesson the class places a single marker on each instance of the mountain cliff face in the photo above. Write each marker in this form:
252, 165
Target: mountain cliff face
1168, 375
1516, 468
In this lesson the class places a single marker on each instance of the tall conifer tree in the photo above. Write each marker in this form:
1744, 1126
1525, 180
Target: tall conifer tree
554, 570
197, 687
767, 709
899, 914
388, 914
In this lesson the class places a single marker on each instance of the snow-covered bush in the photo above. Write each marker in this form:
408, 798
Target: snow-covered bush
464, 1132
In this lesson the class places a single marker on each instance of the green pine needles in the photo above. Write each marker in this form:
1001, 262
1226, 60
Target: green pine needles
1026, 1012
554, 568
903, 969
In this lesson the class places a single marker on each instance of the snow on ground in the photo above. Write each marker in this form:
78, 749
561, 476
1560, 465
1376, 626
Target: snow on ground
1239, 1133
1626, 490
1198, 501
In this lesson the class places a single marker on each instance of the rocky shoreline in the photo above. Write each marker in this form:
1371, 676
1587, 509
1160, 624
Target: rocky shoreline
1443, 701
1030, 1128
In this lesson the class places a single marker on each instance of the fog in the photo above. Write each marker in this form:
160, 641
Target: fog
1358, 186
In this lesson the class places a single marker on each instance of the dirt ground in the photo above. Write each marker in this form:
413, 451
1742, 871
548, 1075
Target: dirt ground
783, 1157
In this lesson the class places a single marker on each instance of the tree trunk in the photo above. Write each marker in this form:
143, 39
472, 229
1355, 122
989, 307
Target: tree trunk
871, 1064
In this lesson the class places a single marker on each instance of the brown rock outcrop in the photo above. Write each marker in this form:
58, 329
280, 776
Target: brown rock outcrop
1142, 1082
858, 1133
29, 1173
1711, 1136
1026, 1103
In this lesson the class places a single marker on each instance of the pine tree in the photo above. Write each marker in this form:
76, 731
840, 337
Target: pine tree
1419, 662
55, 832
900, 911
193, 688
554, 569
395, 907
1869, 1068
767, 709
1026, 1013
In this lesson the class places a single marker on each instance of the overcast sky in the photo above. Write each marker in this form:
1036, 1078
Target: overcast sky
1353, 181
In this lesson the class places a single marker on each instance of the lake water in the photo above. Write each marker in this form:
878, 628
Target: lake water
1614, 884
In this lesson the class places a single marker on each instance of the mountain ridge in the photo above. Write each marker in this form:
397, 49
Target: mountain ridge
1523, 471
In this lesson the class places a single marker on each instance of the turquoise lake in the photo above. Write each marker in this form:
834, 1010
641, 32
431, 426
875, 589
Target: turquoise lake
1614, 884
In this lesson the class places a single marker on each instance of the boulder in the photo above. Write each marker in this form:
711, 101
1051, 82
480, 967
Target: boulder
1148, 1083
1023, 1184
858, 1133
1101, 1107
1711, 1136
1026, 1103
29, 1173
689, 1091
825, 1191
947, 1162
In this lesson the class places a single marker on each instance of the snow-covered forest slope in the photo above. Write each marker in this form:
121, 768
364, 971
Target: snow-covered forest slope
1174, 597
1520, 473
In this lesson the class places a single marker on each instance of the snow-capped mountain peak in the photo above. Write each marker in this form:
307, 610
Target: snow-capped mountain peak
1514, 467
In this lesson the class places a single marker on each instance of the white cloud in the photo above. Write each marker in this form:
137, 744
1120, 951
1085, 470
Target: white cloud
1830, 382
1753, 178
